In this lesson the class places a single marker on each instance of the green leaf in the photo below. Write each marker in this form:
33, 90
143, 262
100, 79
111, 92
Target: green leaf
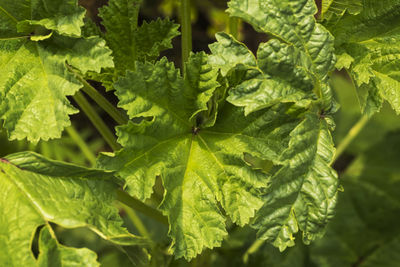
302, 195
21, 17
35, 82
274, 78
31, 199
333, 10
369, 41
127, 40
227, 53
155, 37
304, 43
368, 210
54, 254
37, 163
201, 167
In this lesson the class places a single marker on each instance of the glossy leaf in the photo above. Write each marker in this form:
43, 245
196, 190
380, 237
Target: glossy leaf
38, 199
305, 44
275, 77
367, 45
201, 167
302, 195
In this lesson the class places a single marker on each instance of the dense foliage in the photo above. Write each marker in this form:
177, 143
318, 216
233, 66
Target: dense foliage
225, 161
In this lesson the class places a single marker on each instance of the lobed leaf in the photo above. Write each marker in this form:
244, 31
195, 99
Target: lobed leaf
302, 195
128, 41
21, 17
201, 165
35, 82
70, 202
367, 45
275, 77
293, 23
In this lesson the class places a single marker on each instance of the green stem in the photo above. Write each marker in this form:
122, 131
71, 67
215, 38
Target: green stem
136, 221
137, 205
186, 26
351, 135
96, 120
81, 144
253, 249
234, 27
111, 110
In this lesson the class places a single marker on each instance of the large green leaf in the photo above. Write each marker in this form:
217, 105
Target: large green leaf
31, 199
201, 168
302, 50
21, 17
35, 81
128, 41
367, 45
302, 195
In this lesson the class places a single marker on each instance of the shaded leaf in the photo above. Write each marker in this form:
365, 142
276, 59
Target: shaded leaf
70, 202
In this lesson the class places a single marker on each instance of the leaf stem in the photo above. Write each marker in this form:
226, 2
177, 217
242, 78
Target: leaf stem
234, 27
253, 249
137, 205
81, 144
96, 120
135, 220
351, 135
186, 28
111, 110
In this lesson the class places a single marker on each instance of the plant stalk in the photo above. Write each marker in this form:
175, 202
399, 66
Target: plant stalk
351, 135
136, 221
234, 27
81, 144
96, 120
111, 110
137, 205
186, 26
253, 249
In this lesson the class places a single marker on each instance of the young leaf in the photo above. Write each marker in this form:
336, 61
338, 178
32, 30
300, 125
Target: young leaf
292, 22
276, 76
127, 40
200, 166
35, 81
302, 195
367, 46
21, 17
54, 254
39, 198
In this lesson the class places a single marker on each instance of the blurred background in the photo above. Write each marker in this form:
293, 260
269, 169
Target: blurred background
366, 229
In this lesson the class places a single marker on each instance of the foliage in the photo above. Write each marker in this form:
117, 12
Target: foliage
235, 146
